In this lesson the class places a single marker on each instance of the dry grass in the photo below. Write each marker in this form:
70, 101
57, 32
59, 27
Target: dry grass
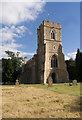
32, 102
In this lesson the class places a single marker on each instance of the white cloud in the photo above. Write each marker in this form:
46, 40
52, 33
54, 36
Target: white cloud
8, 34
26, 53
12, 13
22, 1
17, 12
66, 57
12, 47
70, 55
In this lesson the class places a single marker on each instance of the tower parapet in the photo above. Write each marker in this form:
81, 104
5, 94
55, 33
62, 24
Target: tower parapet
50, 24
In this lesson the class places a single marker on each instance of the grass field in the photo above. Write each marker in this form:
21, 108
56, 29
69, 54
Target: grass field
41, 101
59, 88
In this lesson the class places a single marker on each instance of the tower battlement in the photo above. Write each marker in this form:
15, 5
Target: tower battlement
52, 24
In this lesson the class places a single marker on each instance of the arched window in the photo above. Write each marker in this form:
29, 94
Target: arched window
52, 35
54, 63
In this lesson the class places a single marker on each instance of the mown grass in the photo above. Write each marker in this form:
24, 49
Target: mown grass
59, 88
66, 89
38, 101
62, 88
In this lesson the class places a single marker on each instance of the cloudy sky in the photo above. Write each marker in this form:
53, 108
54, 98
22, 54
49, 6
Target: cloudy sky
19, 22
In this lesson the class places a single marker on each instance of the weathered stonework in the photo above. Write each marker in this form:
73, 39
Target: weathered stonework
49, 60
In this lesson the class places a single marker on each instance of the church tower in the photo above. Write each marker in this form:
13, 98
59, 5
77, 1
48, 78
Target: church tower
51, 62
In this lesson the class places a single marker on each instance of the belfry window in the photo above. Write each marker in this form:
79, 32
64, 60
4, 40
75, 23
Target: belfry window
54, 62
52, 35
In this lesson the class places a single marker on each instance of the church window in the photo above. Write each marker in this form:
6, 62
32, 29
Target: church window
54, 62
52, 35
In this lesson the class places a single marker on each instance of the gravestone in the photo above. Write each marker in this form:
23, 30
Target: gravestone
50, 82
74, 82
17, 82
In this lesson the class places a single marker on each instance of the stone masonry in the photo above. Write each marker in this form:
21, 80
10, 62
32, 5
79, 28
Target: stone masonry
49, 62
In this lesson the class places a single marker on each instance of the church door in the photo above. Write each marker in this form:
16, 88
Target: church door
53, 77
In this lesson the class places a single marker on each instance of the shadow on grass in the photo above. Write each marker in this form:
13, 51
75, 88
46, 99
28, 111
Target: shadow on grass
76, 106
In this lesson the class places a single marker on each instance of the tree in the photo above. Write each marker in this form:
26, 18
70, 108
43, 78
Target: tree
74, 67
78, 62
7, 70
16, 63
12, 67
71, 69
10, 53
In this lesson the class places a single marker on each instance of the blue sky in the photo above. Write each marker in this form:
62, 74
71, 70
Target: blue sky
20, 33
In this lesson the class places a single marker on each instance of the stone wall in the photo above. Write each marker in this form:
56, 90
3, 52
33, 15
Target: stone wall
39, 69
29, 73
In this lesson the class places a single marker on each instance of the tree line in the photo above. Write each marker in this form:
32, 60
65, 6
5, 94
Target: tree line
74, 67
12, 67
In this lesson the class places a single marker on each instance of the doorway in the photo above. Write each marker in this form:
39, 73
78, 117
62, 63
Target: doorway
53, 77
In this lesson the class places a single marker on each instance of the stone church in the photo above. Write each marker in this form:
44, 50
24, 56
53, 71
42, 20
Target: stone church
49, 62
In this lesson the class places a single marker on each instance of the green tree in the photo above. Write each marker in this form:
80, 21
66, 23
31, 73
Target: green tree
78, 62
11, 67
17, 66
71, 69
10, 53
74, 67
7, 70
